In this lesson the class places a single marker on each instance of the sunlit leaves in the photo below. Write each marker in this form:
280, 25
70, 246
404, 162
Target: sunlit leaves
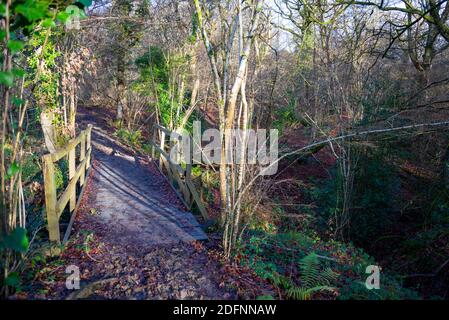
15, 46
48, 23
33, 10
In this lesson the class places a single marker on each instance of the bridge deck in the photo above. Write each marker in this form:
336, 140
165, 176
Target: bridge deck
134, 201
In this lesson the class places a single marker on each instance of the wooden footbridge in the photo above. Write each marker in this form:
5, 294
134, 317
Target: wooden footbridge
131, 199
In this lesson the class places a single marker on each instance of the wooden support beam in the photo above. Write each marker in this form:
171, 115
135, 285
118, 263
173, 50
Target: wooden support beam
50, 199
82, 157
88, 145
68, 192
72, 173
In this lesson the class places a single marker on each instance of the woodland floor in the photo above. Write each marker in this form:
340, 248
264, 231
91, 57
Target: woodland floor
132, 238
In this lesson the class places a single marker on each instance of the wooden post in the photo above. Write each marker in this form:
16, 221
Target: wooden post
162, 148
72, 172
153, 151
188, 175
50, 199
88, 145
82, 157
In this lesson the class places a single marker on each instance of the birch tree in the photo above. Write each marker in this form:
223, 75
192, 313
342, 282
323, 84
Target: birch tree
238, 25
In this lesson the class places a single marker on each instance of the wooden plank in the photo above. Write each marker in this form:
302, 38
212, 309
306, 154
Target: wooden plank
197, 199
50, 199
183, 188
153, 143
73, 216
62, 152
72, 173
82, 157
166, 156
162, 148
162, 152
88, 145
163, 129
88, 158
66, 195
188, 197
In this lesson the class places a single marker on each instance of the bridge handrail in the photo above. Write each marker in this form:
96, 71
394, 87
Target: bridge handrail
184, 186
54, 205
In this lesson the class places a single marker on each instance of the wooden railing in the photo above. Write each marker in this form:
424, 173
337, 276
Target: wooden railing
180, 178
55, 205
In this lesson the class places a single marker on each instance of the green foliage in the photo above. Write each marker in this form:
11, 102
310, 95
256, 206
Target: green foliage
313, 278
12, 170
61, 174
195, 29
13, 280
376, 183
42, 63
382, 98
390, 289
311, 273
17, 240
153, 65
15, 46
29, 34
300, 266
288, 116
7, 78
85, 3
33, 10
130, 137
156, 79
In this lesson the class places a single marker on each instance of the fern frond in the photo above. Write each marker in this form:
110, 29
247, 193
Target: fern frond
298, 293
301, 293
281, 281
310, 270
329, 276
313, 290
